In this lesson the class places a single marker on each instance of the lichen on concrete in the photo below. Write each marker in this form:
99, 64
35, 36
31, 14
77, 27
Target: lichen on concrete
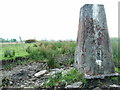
93, 55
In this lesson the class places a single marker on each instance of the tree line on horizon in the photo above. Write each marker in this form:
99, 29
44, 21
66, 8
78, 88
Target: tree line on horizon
2, 40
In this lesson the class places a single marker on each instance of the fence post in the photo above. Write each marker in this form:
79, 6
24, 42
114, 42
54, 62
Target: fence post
22, 43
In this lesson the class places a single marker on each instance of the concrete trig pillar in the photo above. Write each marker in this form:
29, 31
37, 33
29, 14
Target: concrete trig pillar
93, 55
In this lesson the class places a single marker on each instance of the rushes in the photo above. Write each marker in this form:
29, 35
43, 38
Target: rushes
9, 53
49, 51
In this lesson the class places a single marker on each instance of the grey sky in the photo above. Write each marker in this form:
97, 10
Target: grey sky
49, 19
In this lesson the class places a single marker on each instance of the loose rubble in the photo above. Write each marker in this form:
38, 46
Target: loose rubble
74, 85
33, 75
38, 74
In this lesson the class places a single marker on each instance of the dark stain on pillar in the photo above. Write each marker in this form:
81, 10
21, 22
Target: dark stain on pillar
93, 51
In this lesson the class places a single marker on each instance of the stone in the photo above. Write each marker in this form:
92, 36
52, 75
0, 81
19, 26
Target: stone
1, 80
93, 54
55, 70
65, 71
74, 85
11, 83
38, 74
114, 85
22, 86
97, 88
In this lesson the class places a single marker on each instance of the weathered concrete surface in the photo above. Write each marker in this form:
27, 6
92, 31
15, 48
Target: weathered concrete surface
93, 55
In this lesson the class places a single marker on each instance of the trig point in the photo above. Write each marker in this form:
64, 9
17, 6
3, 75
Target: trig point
93, 55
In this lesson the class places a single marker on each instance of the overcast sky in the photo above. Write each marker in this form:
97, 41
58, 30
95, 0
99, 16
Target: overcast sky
49, 19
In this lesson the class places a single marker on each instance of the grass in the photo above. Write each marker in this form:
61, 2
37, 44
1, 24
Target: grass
19, 51
117, 70
63, 47
115, 48
70, 77
49, 51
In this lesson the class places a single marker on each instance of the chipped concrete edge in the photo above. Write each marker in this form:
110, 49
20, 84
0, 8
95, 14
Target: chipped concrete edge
101, 76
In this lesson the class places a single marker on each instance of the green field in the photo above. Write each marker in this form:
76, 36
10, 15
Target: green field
48, 47
19, 51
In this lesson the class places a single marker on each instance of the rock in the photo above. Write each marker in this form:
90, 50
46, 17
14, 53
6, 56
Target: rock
38, 74
18, 77
1, 81
11, 83
50, 73
114, 85
23, 75
65, 71
97, 88
28, 88
56, 70
42, 84
74, 85
1, 68
22, 86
